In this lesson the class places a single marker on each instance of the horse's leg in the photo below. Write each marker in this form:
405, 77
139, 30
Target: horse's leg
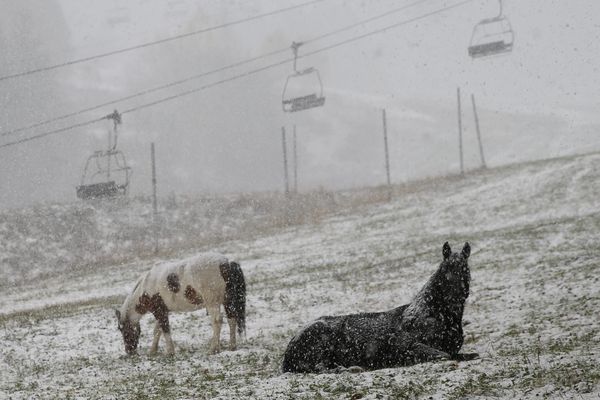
169, 342
156, 338
232, 327
216, 321
465, 356
161, 313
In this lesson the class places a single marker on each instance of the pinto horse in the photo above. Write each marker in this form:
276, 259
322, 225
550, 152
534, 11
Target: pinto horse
204, 281
429, 328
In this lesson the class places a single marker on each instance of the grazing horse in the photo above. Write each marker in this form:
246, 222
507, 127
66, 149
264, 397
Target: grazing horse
203, 281
429, 328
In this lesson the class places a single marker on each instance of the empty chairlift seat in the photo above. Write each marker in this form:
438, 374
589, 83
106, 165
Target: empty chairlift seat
98, 190
303, 90
491, 37
303, 103
106, 174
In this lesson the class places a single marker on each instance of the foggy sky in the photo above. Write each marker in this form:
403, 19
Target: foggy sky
540, 101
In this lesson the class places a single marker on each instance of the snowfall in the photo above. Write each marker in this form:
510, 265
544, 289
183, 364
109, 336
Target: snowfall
533, 312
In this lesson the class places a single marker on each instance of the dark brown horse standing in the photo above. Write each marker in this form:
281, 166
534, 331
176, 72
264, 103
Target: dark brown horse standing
429, 328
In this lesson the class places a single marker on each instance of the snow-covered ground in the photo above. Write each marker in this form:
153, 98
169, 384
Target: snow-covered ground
533, 309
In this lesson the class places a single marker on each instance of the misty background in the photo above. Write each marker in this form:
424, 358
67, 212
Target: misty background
539, 101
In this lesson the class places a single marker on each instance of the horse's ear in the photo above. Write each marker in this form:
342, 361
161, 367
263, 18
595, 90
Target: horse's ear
446, 251
466, 251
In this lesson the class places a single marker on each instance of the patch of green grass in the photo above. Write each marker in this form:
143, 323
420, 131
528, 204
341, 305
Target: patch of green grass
530, 346
409, 390
562, 375
513, 330
481, 384
570, 343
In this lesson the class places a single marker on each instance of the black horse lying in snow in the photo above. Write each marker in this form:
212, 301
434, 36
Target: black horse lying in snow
429, 328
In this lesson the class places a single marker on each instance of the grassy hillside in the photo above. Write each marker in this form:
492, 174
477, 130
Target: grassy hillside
50, 239
532, 311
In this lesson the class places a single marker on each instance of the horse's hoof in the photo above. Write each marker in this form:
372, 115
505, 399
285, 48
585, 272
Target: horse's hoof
470, 356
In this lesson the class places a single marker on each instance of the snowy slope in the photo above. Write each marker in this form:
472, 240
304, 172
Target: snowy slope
532, 312
47, 240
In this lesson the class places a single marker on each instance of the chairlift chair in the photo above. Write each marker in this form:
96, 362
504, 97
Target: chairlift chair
106, 173
492, 36
303, 89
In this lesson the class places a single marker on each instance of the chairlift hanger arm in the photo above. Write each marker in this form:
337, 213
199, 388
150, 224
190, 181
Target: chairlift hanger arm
116, 117
295, 46
117, 120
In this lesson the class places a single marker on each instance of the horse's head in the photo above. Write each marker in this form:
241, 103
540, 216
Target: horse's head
130, 331
454, 275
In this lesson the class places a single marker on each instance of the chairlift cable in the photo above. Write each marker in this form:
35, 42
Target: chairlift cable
384, 29
364, 21
248, 73
115, 116
317, 51
203, 74
41, 135
156, 42
142, 93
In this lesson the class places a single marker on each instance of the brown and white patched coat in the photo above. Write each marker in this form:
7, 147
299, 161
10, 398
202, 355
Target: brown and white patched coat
206, 280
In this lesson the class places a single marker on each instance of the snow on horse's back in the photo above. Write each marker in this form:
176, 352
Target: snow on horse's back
206, 280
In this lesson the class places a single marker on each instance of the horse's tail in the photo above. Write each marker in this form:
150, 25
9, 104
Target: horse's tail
235, 294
